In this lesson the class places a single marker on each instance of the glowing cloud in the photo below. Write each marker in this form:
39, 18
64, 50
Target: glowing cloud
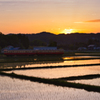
68, 31
96, 20
79, 22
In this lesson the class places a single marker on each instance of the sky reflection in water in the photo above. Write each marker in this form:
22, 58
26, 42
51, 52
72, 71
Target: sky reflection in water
15, 89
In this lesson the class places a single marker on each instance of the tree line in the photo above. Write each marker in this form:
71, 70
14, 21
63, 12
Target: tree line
16, 40
22, 41
67, 42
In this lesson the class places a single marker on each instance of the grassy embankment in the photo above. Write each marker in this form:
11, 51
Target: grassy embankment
39, 58
83, 77
82, 53
30, 58
48, 67
58, 82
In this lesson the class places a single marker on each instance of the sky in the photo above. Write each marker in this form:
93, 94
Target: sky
56, 16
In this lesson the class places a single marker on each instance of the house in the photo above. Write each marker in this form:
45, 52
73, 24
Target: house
9, 48
82, 48
91, 47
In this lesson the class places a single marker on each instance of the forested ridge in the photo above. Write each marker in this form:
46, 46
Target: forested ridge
65, 41
16, 40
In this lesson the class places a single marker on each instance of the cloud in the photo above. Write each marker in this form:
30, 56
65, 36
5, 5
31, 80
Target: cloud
50, 1
89, 21
79, 22
10, 2
96, 20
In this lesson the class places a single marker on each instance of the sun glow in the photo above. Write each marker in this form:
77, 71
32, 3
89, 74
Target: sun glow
68, 31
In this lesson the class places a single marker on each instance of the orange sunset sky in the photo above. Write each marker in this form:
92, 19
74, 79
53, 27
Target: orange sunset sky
56, 16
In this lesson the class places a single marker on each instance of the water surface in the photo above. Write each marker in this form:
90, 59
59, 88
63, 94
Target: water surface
59, 72
88, 81
15, 89
48, 63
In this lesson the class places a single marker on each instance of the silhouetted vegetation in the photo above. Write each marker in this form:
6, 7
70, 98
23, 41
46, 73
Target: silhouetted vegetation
52, 44
66, 41
23, 40
37, 42
16, 40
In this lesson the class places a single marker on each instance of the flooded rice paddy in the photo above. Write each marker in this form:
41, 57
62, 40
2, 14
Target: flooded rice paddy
95, 81
59, 72
17, 89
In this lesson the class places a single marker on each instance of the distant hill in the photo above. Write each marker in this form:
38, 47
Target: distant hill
64, 39
44, 36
